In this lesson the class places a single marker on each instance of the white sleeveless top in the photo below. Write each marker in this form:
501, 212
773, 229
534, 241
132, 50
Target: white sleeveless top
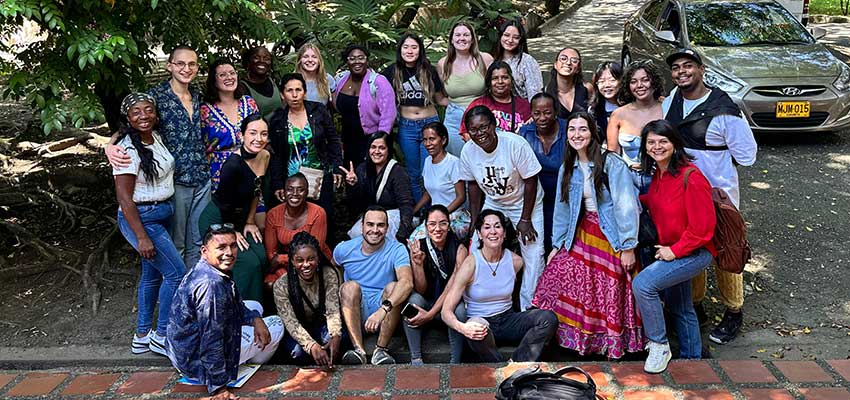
490, 295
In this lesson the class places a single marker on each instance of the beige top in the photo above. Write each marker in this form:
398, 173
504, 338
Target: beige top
287, 313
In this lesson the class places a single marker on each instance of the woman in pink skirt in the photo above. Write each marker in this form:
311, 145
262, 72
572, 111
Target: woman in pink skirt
586, 281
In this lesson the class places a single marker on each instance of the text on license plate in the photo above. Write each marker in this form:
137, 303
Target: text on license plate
793, 109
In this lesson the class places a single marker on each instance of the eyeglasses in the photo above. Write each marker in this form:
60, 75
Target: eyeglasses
433, 225
571, 60
217, 228
227, 74
182, 65
356, 58
480, 130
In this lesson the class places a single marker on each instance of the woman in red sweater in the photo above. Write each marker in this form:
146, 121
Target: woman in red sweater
679, 201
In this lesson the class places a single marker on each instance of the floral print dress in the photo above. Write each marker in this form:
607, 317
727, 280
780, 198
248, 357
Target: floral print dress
221, 136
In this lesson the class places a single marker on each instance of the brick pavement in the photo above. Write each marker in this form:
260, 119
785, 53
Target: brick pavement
684, 380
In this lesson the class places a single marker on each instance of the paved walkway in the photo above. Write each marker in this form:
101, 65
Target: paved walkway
685, 380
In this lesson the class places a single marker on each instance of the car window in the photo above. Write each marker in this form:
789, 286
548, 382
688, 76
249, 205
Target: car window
742, 24
670, 20
652, 12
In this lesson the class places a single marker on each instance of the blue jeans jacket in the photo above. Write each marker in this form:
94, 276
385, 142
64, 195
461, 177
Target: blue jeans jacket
617, 206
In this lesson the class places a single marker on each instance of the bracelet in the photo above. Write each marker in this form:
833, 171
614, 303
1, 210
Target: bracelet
524, 220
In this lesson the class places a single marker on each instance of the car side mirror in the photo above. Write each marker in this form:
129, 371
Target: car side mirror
817, 32
666, 37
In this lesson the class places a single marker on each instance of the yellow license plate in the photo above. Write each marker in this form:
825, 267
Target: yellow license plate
793, 109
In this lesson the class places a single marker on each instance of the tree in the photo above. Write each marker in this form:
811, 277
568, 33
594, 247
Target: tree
94, 52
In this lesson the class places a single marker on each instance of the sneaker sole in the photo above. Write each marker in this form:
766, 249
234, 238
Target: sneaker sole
666, 363
716, 340
140, 349
352, 359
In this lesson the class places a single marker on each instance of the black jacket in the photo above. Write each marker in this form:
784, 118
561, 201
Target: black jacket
325, 139
396, 195
694, 127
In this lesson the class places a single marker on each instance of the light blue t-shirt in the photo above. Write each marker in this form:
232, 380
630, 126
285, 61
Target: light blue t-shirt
374, 271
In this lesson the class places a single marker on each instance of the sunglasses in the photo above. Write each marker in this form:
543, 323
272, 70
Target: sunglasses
218, 228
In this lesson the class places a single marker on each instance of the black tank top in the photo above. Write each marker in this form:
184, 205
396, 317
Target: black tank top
349, 113
579, 102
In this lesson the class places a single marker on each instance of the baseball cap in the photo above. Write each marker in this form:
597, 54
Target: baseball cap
683, 53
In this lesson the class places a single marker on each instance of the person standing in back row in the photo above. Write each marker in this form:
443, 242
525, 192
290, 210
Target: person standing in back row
719, 138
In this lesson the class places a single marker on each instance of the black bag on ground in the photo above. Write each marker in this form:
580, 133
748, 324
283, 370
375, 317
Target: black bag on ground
533, 384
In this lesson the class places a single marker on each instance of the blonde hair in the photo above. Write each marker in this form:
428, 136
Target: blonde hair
322, 85
451, 54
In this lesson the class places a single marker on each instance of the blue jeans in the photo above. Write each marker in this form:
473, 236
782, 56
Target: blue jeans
670, 282
454, 114
410, 140
160, 275
188, 203
414, 335
294, 350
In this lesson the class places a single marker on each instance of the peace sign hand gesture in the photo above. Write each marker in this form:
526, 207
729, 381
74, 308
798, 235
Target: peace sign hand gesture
417, 256
350, 176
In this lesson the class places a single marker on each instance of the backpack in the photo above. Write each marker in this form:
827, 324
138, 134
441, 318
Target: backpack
730, 233
370, 79
532, 383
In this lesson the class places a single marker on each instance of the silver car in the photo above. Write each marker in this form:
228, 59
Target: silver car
757, 52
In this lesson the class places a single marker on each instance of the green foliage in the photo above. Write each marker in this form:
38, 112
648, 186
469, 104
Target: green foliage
95, 51
829, 7
378, 23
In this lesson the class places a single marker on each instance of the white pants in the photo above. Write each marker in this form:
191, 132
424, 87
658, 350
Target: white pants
532, 251
249, 352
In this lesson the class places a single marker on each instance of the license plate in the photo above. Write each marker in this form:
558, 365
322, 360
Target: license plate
793, 109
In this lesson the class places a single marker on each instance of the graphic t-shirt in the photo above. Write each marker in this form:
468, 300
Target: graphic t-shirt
500, 174
411, 89
505, 113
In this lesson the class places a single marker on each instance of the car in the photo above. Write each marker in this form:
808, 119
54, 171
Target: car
756, 51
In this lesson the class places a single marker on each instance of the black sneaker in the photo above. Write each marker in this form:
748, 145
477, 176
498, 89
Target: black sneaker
728, 328
702, 317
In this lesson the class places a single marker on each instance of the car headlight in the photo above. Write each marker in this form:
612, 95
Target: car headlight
722, 82
842, 83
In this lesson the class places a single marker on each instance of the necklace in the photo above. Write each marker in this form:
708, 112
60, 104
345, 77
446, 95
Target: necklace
490, 266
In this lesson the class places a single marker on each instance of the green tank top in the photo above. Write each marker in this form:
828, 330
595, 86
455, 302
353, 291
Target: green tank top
463, 89
267, 104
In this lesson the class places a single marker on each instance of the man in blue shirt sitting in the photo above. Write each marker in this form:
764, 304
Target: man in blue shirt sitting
211, 331
378, 279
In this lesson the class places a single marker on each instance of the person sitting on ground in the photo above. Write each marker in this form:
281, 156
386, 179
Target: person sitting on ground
240, 191
377, 279
678, 200
285, 221
211, 331
640, 95
486, 281
586, 281
307, 300
382, 181
434, 260
442, 182
502, 167
511, 111
144, 189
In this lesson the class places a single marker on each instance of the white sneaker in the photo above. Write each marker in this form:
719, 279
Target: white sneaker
157, 344
659, 356
140, 344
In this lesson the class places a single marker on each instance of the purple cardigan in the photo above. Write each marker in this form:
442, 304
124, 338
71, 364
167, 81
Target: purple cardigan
378, 113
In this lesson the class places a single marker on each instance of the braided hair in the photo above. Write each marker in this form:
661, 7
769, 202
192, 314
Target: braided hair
296, 293
147, 163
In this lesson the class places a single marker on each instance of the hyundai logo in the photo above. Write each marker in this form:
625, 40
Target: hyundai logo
791, 91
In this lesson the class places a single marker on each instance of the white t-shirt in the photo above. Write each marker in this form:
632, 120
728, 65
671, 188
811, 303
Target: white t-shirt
440, 179
500, 174
147, 189
587, 190
724, 130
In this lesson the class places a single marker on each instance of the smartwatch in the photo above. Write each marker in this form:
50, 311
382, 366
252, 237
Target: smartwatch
387, 305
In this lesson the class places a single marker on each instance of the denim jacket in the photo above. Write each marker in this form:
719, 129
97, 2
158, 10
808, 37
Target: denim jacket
617, 206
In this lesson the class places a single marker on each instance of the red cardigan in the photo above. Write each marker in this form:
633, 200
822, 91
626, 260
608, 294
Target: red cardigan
683, 216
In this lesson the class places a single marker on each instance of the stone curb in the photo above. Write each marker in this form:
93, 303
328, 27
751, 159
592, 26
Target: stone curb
828, 19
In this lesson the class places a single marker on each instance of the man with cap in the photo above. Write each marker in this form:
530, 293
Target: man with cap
716, 134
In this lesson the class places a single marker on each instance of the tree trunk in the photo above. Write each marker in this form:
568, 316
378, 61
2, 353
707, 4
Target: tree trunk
553, 7
111, 103
408, 17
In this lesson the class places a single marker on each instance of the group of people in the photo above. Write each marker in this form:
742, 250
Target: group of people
513, 220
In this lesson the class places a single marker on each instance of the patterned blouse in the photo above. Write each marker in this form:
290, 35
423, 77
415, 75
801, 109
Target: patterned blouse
221, 136
302, 151
181, 134
528, 79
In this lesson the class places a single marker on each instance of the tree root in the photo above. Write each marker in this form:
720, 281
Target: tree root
97, 262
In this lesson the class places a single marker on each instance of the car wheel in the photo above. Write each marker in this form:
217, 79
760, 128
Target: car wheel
625, 56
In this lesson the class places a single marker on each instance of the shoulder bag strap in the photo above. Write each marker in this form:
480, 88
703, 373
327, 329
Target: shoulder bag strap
384, 179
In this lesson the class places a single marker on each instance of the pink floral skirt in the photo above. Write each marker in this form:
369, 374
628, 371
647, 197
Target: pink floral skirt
592, 295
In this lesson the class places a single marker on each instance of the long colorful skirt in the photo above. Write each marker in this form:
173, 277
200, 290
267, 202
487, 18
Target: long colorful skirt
592, 295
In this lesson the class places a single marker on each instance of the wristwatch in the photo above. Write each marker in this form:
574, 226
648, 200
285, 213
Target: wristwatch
387, 305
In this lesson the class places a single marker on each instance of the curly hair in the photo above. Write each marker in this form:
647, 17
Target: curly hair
625, 96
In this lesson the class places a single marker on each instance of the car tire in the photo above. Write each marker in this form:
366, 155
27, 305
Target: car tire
625, 57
